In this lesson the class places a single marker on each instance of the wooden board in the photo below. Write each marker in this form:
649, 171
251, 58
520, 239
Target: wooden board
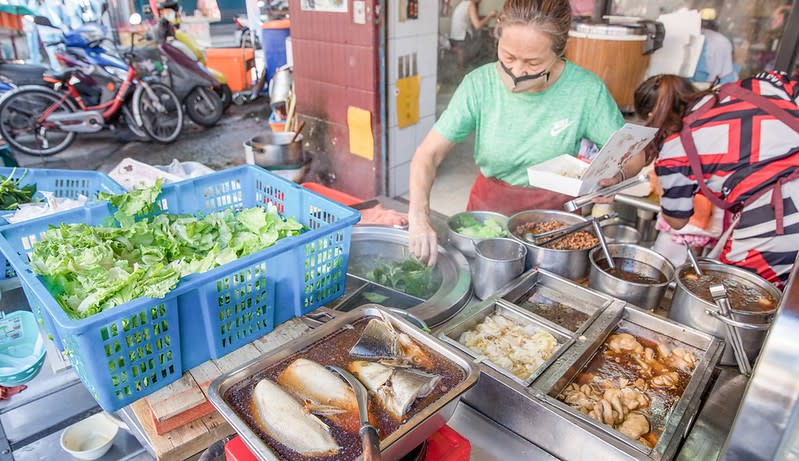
179, 421
185, 441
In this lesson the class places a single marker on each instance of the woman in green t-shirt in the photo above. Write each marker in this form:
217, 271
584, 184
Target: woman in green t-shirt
528, 107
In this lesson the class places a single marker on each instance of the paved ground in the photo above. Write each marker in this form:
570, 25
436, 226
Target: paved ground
218, 147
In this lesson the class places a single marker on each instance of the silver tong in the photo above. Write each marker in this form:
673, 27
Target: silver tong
586, 199
719, 294
558, 234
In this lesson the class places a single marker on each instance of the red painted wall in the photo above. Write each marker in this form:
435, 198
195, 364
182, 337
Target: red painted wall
336, 66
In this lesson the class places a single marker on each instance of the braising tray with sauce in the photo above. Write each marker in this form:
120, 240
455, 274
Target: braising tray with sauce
640, 383
556, 300
333, 343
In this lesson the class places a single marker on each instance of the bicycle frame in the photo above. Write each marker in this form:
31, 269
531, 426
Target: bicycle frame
108, 109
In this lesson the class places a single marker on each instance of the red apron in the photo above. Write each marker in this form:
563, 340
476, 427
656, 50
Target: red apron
491, 194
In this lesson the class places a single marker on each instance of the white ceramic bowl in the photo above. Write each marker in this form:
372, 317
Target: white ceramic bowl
91, 438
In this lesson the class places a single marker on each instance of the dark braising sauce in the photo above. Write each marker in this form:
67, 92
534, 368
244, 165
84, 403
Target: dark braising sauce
743, 295
554, 311
607, 365
334, 350
633, 271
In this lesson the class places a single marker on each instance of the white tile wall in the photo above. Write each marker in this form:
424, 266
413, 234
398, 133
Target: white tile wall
401, 144
426, 24
399, 180
418, 36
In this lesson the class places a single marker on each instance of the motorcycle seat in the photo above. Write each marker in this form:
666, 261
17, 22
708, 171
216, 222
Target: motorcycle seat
61, 75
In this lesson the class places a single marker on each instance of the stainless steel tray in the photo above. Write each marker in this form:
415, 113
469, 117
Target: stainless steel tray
560, 290
451, 333
408, 436
539, 417
688, 404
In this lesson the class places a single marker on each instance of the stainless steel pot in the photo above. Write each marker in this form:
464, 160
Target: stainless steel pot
276, 149
466, 244
498, 261
621, 233
572, 264
647, 296
689, 309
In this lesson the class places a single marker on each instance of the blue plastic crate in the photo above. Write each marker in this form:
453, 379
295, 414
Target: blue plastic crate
134, 349
63, 184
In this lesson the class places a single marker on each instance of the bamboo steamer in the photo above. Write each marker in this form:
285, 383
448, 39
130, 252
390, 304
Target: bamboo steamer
614, 54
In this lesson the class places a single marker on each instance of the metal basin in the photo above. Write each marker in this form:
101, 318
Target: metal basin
410, 434
466, 244
372, 243
572, 264
645, 295
276, 149
689, 309
621, 233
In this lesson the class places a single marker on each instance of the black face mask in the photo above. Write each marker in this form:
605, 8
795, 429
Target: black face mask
525, 82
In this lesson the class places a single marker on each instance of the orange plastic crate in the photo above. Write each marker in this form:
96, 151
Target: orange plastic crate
235, 65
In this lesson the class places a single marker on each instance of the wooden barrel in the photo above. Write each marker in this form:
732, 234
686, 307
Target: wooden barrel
617, 60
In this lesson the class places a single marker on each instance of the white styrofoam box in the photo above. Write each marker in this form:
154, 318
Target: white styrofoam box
401, 144
560, 174
399, 184
426, 24
423, 127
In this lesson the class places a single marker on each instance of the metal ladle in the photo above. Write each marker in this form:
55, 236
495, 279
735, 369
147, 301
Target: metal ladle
693, 260
603, 244
719, 294
368, 433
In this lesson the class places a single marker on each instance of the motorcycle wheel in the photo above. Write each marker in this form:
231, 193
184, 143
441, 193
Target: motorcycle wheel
226, 94
204, 106
19, 110
160, 115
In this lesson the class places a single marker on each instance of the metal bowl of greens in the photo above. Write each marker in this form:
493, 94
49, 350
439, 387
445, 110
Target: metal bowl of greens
382, 271
467, 228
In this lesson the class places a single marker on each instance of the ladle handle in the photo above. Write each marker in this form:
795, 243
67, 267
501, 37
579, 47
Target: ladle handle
370, 442
692, 259
738, 324
603, 244
297, 133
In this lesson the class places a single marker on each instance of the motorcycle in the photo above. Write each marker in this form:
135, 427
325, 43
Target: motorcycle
43, 121
194, 86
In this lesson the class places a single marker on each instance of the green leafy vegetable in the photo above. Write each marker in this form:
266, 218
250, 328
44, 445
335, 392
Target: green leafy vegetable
409, 276
376, 298
12, 194
90, 269
472, 228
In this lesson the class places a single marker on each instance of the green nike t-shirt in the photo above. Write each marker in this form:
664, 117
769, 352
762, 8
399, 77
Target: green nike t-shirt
514, 131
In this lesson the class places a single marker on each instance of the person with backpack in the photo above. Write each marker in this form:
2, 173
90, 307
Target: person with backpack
737, 145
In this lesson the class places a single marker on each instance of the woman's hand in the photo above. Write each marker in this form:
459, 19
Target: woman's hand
423, 241
607, 182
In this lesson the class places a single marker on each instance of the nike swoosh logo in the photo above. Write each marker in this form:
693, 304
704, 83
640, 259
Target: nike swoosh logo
557, 130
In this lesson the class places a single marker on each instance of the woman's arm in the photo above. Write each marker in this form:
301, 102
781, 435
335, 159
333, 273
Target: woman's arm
429, 155
474, 16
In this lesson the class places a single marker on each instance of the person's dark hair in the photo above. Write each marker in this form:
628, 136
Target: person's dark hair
663, 101
553, 17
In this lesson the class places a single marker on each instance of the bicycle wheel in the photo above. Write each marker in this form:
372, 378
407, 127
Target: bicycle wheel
19, 126
159, 111
130, 122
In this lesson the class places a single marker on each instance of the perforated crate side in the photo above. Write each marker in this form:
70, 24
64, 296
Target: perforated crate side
241, 306
129, 356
